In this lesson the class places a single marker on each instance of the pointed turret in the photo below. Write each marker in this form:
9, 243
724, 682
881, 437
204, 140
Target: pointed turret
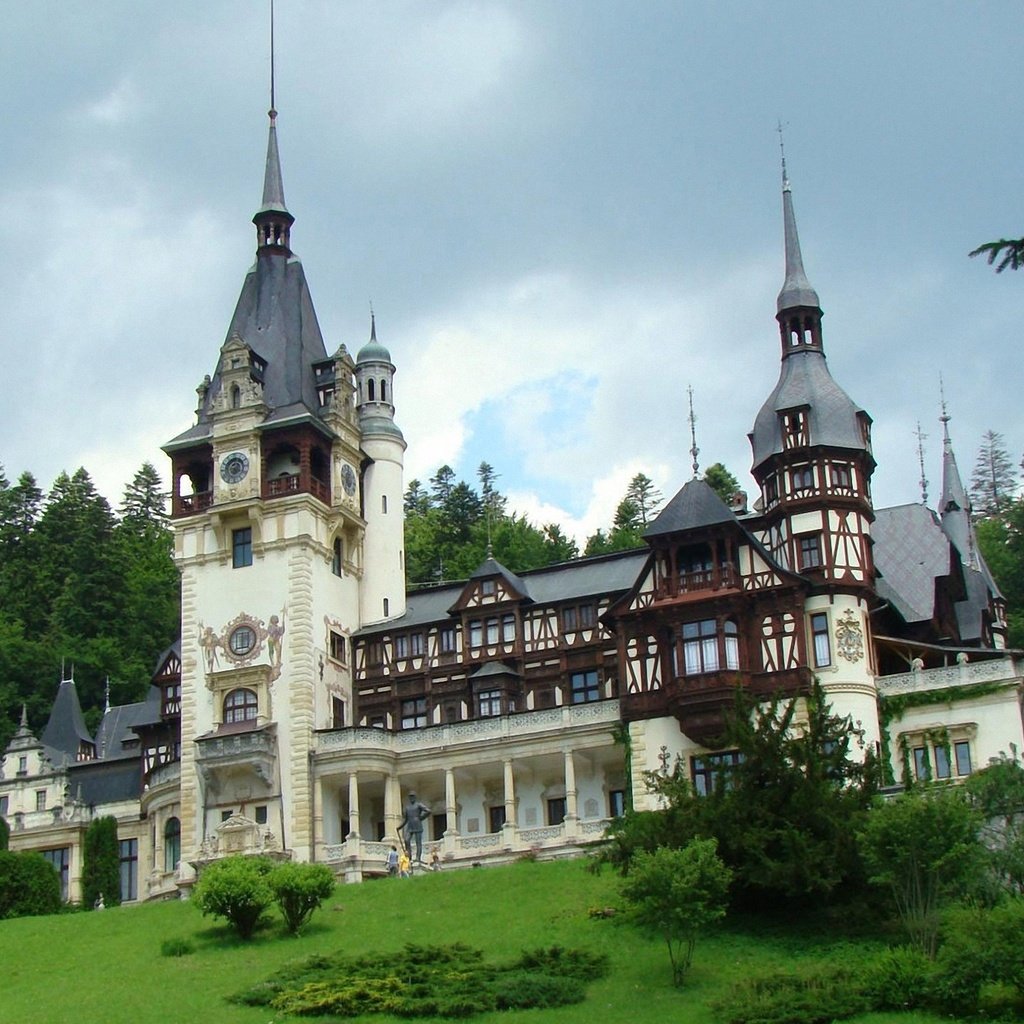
807, 408
955, 504
273, 221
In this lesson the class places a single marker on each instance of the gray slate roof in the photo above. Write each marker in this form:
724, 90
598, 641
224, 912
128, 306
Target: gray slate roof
805, 380
796, 290
116, 728
695, 505
567, 581
910, 552
65, 730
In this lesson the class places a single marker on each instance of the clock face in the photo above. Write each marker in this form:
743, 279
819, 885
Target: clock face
348, 479
234, 467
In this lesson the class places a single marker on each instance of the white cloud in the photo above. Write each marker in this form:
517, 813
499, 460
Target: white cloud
119, 105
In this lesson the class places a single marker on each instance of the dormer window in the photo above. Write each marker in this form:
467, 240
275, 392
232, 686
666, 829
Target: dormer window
794, 428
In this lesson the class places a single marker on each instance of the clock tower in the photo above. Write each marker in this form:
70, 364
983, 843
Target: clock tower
274, 507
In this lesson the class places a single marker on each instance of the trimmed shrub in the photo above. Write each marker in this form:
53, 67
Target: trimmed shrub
523, 990
236, 889
299, 890
580, 964
101, 864
29, 886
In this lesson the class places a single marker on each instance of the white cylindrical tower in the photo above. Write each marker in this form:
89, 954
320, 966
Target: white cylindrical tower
382, 595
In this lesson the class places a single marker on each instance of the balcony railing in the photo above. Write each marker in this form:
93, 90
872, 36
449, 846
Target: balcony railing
292, 484
190, 504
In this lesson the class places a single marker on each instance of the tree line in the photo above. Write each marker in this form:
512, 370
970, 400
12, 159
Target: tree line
82, 589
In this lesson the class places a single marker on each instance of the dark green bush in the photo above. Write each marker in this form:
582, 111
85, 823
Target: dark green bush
101, 864
980, 950
29, 886
5, 834
523, 990
580, 964
177, 947
900, 979
809, 997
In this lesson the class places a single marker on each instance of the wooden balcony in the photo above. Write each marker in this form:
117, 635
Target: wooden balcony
292, 484
190, 504
700, 582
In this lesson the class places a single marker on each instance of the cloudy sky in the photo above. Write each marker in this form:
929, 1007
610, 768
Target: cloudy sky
564, 213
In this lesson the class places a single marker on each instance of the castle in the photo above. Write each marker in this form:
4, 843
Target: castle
310, 693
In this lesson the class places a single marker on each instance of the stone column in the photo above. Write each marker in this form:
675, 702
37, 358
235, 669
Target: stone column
451, 811
392, 806
571, 813
510, 794
353, 807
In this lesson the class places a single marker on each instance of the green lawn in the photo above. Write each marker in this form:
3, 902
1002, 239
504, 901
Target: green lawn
107, 967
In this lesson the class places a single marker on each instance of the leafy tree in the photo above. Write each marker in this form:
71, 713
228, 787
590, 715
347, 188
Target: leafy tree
236, 889
299, 890
678, 894
101, 864
558, 547
1009, 252
995, 478
998, 794
924, 848
645, 497
1001, 540
28, 885
721, 481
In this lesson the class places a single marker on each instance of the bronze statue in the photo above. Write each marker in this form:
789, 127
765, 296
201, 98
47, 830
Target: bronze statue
413, 814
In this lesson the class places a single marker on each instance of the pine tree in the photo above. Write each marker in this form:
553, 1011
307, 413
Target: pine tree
721, 481
994, 479
644, 496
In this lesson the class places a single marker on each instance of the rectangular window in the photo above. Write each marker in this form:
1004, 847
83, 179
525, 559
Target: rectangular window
40, 799
820, 640
556, 811
771, 490
3, 807
810, 551
438, 825
962, 752
384, 504
23, 764
496, 817
61, 861
492, 631
476, 633
129, 850
841, 476
241, 547
490, 703
922, 766
700, 647
587, 618
569, 620
401, 646
447, 640
414, 713
416, 644
171, 699
337, 713
337, 647
712, 771
616, 803
942, 770
260, 814
585, 687
336, 557
488, 588
508, 628
803, 478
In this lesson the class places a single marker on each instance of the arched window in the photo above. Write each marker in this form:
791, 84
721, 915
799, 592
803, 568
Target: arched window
369, 389
336, 557
383, 390
240, 706
172, 844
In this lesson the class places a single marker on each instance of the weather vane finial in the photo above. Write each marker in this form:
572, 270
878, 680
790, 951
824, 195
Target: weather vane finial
944, 418
782, 150
273, 103
921, 438
694, 450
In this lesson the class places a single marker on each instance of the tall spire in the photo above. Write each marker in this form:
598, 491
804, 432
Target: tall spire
955, 505
796, 289
273, 221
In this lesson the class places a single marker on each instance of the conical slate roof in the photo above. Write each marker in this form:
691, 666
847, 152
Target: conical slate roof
65, 731
695, 506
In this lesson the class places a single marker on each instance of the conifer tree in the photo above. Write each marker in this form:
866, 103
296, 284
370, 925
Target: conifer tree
994, 479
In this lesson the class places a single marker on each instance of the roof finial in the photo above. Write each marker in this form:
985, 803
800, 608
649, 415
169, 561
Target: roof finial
944, 418
782, 150
694, 450
921, 438
373, 323
273, 105
106, 696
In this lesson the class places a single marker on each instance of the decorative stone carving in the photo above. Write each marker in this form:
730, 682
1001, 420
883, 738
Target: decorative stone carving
849, 637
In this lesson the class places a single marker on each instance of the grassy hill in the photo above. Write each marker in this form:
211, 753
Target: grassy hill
108, 968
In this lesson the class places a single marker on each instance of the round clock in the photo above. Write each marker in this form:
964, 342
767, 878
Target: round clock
348, 479
234, 467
